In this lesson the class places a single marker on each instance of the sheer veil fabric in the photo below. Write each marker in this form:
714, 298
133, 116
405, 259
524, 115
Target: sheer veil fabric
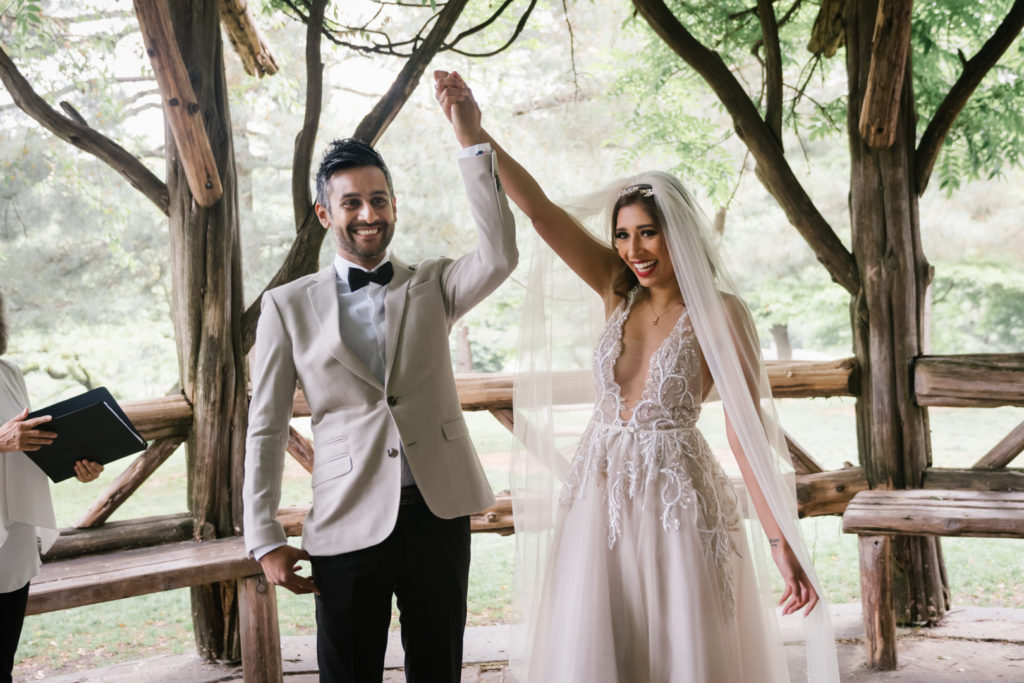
560, 323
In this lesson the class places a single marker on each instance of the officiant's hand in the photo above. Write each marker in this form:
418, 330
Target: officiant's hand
87, 470
19, 434
458, 104
281, 568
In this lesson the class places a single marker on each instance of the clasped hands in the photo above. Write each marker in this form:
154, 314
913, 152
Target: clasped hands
457, 103
21, 434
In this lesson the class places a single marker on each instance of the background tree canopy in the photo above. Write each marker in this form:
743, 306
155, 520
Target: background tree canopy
586, 92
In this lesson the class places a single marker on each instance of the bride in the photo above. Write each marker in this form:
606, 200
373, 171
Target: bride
650, 575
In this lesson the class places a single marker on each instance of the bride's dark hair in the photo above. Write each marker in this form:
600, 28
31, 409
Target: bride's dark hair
642, 194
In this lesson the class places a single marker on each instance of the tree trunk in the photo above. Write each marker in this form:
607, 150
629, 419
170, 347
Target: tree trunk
888, 316
783, 347
207, 304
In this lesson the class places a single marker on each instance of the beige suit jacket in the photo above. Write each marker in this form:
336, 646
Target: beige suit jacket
360, 425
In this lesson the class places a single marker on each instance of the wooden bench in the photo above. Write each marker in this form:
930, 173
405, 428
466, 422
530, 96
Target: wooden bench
877, 515
123, 574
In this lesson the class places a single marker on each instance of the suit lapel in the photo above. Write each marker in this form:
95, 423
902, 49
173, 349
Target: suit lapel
323, 297
394, 310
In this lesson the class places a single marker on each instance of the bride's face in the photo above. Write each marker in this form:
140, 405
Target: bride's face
641, 244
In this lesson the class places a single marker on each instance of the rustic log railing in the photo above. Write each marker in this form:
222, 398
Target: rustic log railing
940, 380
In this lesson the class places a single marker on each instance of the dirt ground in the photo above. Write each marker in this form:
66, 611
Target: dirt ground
977, 644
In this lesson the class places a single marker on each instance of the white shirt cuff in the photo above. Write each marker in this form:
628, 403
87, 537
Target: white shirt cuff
262, 550
475, 150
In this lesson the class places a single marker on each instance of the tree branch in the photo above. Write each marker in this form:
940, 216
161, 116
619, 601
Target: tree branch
302, 257
245, 37
772, 168
377, 121
974, 70
302, 159
772, 67
82, 136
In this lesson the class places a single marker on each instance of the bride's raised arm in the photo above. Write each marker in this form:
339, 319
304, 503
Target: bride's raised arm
596, 263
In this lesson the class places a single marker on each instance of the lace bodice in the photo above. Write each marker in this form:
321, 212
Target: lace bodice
672, 393
656, 459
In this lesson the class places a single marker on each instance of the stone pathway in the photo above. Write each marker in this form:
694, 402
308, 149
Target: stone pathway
976, 644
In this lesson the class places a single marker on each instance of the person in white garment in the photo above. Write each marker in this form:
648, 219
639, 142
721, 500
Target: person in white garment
27, 522
649, 575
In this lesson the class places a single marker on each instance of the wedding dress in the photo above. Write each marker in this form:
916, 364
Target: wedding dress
649, 576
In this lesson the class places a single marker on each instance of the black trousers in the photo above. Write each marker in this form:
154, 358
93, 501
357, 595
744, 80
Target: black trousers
12, 617
425, 564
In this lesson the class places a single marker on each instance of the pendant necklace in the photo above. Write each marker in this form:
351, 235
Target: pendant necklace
657, 316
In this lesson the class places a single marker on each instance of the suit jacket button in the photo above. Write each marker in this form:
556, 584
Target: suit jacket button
392, 452
392, 400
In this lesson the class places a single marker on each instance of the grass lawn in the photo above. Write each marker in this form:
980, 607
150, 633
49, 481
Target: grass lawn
984, 572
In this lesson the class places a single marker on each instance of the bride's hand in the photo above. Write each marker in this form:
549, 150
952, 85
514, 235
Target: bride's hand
456, 100
799, 592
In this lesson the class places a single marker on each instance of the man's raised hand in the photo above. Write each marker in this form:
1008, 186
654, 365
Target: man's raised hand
457, 103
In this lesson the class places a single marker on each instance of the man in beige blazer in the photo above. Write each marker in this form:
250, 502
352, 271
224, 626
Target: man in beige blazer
395, 474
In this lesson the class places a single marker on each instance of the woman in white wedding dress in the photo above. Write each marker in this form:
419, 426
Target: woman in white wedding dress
649, 577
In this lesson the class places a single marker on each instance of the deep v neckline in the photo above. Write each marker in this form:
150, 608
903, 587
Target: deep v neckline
620, 325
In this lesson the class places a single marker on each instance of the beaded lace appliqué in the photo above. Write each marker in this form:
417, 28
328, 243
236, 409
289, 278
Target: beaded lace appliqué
658, 448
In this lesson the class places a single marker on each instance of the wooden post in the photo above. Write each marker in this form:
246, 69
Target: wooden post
890, 45
888, 316
181, 107
876, 601
207, 305
260, 634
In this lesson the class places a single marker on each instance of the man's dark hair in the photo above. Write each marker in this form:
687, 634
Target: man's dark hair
344, 154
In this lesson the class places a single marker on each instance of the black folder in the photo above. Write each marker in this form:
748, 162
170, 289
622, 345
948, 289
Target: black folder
90, 426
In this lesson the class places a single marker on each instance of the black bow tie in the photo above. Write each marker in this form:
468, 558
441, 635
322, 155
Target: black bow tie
359, 278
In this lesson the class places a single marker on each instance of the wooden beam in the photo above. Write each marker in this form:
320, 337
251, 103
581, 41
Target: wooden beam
122, 535
300, 448
824, 493
980, 380
183, 111
889, 48
803, 462
995, 514
172, 415
259, 631
974, 480
505, 416
828, 493
1003, 453
128, 481
159, 418
245, 37
877, 602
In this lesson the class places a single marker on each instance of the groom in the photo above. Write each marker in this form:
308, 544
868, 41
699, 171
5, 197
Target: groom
395, 475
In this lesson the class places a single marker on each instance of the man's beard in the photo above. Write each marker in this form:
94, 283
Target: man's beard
348, 242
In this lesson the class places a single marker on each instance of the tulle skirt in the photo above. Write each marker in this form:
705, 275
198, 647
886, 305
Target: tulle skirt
651, 606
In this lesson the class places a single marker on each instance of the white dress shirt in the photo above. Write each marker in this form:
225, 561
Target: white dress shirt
362, 327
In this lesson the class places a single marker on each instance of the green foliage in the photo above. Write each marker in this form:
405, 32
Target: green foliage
988, 135
977, 309
815, 310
